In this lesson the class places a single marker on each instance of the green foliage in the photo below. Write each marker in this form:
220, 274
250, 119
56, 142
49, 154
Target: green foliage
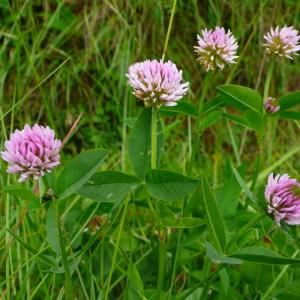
109, 186
78, 171
264, 256
169, 219
52, 230
169, 186
241, 97
289, 101
214, 218
219, 258
135, 288
182, 107
23, 193
63, 58
139, 143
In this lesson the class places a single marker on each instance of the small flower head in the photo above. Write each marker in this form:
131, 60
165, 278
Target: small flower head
271, 105
216, 48
282, 194
157, 83
32, 152
282, 41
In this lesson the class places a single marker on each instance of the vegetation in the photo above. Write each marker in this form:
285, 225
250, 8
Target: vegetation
111, 224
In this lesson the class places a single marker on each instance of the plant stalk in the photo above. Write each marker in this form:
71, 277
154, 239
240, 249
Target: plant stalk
161, 237
161, 264
154, 137
154, 116
268, 79
68, 280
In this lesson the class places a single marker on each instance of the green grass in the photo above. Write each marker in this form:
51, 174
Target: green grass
59, 59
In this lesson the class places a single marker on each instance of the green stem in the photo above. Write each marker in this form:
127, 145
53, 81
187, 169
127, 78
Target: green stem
154, 137
161, 264
68, 280
261, 137
268, 79
161, 237
207, 80
234, 144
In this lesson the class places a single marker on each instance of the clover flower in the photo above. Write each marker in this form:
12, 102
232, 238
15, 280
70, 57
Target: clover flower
216, 48
282, 194
157, 83
32, 152
271, 105
282, 41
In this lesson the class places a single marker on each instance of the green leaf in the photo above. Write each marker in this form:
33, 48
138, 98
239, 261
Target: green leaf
135, 290
290, 100
43, 258
290, 115
78, 171
241, 97
183, 222
213, 104
169, 219
52, 230
130, 121
254, 120
214, 218
182, 107
139, 143
210, 119
237, 119
290, 291
225, 282
264, 256
108, 186
169, 186
244, 186
228, 194
73, 263
218, 258
21, 192
249, 119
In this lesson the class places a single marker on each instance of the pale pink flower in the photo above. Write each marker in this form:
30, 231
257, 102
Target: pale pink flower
216, 48
157, 83
32, 152
282, 194
271, 105
282, 41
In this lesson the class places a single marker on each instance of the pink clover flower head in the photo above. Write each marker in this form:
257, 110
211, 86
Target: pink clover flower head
271, 105
157, 83
282, 41
216, 48
32, 152
282, 194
